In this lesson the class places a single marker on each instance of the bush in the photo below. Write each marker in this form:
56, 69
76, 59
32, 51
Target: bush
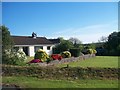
90, 51
66, 54
56, 57
35, 61
94, 51
15, 58
42, 55
75, 52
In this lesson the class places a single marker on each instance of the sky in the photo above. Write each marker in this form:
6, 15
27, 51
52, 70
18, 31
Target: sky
87, 21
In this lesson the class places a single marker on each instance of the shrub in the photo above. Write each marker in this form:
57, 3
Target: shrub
42, 55
60, 58
35, 61
56, 57
75, 52
85, 51
90, 51
66, 54
15, 58
94, 51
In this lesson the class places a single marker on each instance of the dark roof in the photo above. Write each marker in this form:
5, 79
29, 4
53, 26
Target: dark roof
28, 40
55, 41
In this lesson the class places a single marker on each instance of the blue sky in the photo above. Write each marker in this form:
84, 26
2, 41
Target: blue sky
87, 21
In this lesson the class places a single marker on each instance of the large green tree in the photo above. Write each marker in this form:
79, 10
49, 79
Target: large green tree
64, 45
7, 42
113, 43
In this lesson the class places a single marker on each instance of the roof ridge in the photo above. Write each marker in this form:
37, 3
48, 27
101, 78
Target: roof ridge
26, 36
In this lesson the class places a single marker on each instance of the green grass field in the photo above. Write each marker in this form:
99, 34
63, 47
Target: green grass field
98, 61
32, 82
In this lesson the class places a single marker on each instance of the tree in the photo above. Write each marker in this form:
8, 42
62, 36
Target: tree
103, 39
7, 43
92, 46
113, 43
64, 45
76, 42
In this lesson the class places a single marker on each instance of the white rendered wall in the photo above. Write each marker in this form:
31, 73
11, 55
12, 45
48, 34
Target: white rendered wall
31, 51
49, 52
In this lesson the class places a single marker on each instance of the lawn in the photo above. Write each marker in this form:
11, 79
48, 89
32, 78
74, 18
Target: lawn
98, 61
33, 82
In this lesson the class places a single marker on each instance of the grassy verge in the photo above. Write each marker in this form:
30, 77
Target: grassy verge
98, 61
32, 82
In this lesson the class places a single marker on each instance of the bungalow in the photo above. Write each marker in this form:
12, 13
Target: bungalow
30, 44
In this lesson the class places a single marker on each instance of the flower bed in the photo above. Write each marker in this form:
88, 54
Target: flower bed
56, 57
35, 61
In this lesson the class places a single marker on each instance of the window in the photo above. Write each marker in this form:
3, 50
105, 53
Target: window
37, 47
48, 47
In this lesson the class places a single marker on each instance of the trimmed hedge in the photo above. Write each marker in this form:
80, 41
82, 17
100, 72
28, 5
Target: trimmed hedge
75, 52
61, 73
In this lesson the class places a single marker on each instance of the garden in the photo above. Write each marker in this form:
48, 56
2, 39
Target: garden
44, 71
70, 66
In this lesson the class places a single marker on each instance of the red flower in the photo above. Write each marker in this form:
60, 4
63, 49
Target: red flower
56, 57
35, 61
60, 57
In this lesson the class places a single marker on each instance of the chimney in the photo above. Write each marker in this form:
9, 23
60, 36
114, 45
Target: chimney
34, 35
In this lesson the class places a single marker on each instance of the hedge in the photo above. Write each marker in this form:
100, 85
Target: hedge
75, 52
60, 73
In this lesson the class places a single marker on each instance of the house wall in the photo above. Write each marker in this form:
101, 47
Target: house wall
31, 51
49, 52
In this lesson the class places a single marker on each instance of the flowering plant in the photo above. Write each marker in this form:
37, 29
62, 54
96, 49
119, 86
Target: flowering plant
35, 61
66, 54
56, 57
16, 57
42, 55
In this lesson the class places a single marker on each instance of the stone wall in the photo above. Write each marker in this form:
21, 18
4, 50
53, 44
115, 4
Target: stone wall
67, 60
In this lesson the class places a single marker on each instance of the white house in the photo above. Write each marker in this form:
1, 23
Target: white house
30, 44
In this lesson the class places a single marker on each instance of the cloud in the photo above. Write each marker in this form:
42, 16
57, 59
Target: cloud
88, 34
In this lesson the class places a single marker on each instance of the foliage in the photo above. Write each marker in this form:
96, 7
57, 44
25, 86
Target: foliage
92, 46
35, 61
103, 39
75, 40
65, 45
66, 54
7, 43
112, 45
56, 57
75, 52
15, 58
94, 51
91, 51
42, 55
